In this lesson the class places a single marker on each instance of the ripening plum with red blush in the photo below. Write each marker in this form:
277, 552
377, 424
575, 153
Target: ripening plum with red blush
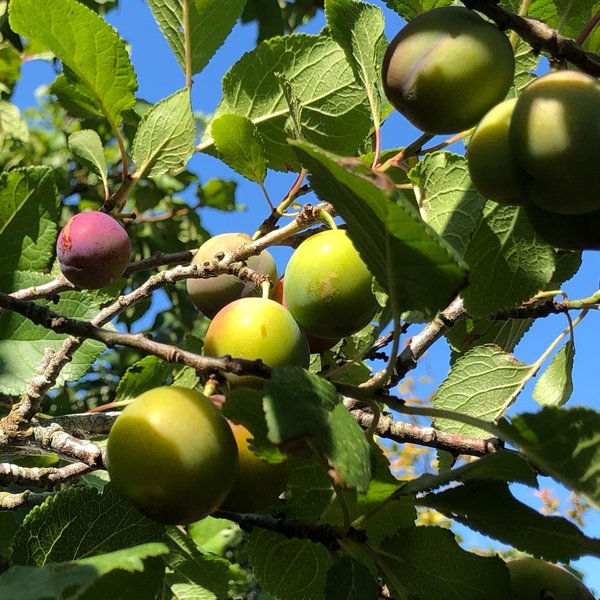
93, 250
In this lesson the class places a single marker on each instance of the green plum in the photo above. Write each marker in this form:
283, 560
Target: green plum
172, 455
256, 328
327, 286
535, 579
212, 294
494, 171
446, 68
555, 137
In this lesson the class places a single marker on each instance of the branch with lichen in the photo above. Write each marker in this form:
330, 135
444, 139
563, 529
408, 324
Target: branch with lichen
41, 476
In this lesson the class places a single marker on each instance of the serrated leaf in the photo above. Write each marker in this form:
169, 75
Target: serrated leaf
349, 579
288, 568
204, 40
358, 28
29, 211
564, 443
300, 405
334, 110
74, 96
489, 508
84, 42
147, 373
504, 250
79, 523
309, 488
482, 383
164, 141
555, 385
409, 260
568, 18
431, 565
447, 199
87, 147
240, 146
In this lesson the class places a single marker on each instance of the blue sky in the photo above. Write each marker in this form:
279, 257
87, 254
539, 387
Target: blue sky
159, 75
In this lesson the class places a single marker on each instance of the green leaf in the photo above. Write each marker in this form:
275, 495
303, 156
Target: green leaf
410, 261
193, 574
218, 193
569, 18
489, 508
240, 146
10, 64
348, 579
164, 141
205, 39
29, 211
215, 535
431, 565
87, 147
73, 95
564, 443
288, 568
358, 28
410, 9
147, 373
447, 199
12, 124
78, 523
482, 383
505, 250
334, 110
84, 42
555, 385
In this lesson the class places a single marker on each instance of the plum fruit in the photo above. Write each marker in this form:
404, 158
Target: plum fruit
172, 455
555, 137
93, 250
212, 294
327, 286
446, 68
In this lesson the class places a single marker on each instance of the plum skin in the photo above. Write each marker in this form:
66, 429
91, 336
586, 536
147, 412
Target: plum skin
327, 286
93, 250
172, 455
212, 294
256, 328
446, 68
555, 137
531, 577
259, 483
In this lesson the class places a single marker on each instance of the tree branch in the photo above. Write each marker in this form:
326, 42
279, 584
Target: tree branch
41, 476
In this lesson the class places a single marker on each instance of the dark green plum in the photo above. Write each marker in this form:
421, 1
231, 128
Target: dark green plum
93, 250
446, 68
555, 137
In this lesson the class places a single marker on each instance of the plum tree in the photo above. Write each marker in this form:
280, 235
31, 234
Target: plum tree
212, 294
93, 250
258, 483
172, 454
535, 579
256, 328
327, 286
492, 165
446, 68
555, 136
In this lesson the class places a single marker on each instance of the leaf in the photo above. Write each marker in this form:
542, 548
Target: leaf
482, 383
555, 385
410, 261
348, 579
431, 565
147, 373
29, 211
164, 141
215, 535
12, 124
240, 146
410, 9
219, 194
84, 42
358, 28
75, 97
87, 147
78, 523
288, 568
569, 18
563, 443
504, 250
204, 40
334, 109
489, 508
448, 201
